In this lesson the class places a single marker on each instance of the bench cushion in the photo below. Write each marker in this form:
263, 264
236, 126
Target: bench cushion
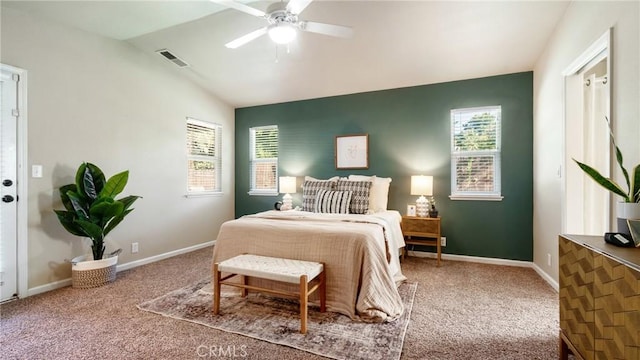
271, 268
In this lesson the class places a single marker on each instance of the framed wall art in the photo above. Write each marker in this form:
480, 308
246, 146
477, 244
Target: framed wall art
352, 151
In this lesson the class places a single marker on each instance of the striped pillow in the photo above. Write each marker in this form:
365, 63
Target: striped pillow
309, 190
333, 202
360, 196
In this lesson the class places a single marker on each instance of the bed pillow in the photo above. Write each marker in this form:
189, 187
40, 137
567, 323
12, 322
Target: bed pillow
310, 189
359, 198
333, 202
310, 178
379, 193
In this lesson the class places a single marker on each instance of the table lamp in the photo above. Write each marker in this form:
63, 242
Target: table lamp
287, 187
422, 185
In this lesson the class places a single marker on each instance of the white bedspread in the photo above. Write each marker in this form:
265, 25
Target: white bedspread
361, 259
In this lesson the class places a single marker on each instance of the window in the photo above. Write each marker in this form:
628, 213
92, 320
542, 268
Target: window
475, 153
264, 160
204, 170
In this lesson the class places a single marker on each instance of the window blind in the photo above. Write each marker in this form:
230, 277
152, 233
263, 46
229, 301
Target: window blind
475, 151
204, 170
264, 159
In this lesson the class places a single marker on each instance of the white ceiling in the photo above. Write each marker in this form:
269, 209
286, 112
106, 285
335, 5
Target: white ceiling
396, 43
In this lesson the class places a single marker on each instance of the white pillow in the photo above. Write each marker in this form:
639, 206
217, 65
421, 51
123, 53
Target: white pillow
335, 178
311, 178
379, 192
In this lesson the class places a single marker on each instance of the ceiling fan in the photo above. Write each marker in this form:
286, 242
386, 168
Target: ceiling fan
283, 22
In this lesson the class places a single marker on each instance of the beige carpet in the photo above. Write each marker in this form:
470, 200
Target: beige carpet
461, 311
277, 320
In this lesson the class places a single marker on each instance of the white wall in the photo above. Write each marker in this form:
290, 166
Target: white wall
96, 99
583, 23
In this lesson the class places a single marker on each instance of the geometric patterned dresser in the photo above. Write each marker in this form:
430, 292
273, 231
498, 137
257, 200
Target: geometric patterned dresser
599, 299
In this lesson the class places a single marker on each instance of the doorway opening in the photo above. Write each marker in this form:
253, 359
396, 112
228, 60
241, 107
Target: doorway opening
13, 204
586, 205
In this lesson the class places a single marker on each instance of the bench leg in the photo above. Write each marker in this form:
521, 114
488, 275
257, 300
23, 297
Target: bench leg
323, 291
245, 282
216, 289
304, 296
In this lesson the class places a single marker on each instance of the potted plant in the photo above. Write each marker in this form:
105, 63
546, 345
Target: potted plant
629, 208
92, 212
433, 212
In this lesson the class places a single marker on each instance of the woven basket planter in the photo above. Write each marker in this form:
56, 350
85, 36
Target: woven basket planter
87, 274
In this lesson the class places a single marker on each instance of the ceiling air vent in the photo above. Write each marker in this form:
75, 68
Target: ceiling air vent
174, 59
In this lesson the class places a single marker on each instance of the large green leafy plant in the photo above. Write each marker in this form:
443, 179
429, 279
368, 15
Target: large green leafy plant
91, 208
633, 180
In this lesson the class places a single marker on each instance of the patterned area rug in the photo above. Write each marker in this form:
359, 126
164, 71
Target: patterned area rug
277, 320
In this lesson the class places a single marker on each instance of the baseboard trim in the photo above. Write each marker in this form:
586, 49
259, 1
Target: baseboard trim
48, 287
130, 265
475, 259
149, 260
491, 261
554, 284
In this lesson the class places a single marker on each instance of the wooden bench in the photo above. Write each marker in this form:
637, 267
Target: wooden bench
271, 268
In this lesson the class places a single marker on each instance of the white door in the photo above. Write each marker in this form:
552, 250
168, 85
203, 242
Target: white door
8, 192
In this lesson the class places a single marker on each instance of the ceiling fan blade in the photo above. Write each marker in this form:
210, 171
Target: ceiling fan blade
246, 38
240, 7
297, 6
326, 29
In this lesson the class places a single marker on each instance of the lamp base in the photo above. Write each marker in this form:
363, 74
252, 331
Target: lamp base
287, 202
422, 207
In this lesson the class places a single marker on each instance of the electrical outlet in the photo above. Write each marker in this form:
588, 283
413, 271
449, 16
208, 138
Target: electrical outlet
134, 247
548, 259
443, 241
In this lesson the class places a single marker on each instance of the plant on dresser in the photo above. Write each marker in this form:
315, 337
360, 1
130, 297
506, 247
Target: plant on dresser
630, 207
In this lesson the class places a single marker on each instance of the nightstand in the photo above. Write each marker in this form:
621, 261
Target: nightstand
421, 231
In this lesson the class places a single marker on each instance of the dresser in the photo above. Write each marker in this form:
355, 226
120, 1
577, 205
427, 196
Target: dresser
599, 299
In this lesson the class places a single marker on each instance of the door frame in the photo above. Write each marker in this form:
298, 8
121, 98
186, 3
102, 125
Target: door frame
21, 182
603, 44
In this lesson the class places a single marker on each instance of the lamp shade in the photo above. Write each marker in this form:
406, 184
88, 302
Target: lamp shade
421, 185
287, 184
282, 33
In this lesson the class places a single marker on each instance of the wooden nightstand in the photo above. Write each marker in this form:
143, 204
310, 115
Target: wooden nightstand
421, 231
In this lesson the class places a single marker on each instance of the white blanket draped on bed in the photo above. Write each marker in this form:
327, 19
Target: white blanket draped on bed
361, 279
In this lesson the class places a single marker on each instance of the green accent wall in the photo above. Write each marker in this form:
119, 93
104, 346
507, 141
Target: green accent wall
409, 134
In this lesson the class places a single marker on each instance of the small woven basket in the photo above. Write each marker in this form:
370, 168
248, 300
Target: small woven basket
90, 274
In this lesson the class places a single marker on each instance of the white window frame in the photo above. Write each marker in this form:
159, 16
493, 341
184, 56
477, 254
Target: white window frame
216, 159
253, 161
495, 194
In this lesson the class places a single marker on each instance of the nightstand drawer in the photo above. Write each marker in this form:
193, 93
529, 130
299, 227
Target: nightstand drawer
411, 225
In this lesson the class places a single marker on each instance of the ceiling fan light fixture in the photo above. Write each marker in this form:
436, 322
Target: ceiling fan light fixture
283, 22
282, 33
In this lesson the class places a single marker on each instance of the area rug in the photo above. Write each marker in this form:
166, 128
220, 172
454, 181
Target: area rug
277, 320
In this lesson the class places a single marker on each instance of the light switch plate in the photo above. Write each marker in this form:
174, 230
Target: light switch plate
36, 171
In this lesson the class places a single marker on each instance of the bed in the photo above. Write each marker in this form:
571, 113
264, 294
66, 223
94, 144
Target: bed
343, 223
360, 253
